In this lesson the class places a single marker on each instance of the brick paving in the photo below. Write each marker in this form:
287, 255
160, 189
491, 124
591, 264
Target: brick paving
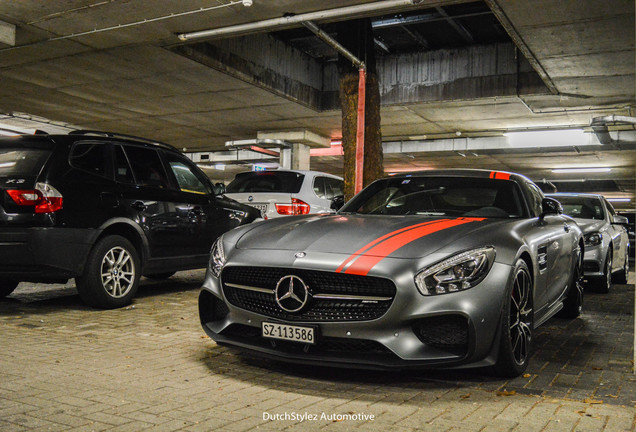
67, 367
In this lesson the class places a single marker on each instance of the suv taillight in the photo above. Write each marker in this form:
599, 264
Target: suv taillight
45, 198
297, 207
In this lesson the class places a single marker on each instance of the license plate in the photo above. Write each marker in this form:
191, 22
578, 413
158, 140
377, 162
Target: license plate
288, 332
261, 207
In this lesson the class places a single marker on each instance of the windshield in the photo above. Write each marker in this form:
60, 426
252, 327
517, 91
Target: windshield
439, 196
266, 181
581, 207
22, 162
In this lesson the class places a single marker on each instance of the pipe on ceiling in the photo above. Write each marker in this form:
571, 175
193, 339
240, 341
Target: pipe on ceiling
342, 12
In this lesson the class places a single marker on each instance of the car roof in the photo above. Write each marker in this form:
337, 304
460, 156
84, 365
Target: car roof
83, 134
465, 172
574, 194
305, 172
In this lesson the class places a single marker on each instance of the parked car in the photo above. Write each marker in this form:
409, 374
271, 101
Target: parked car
438, 268
606, 241
104, 209
286, 192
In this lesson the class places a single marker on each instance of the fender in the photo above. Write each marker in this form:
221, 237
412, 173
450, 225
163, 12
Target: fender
145, 252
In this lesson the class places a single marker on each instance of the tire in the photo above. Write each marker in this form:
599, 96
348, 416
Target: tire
7, 287
160, 276
620, 277
573, 303
603, 284
517, 323
111, 276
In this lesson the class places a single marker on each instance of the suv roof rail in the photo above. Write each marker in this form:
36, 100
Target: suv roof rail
120, 135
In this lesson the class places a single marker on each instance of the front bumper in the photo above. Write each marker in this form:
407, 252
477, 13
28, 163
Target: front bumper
404, 337
43, 254
594, 262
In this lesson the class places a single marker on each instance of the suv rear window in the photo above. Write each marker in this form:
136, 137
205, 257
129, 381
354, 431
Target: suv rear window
22, 161
266, 181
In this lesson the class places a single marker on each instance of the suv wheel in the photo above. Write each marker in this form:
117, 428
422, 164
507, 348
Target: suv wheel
7, 287
111, 275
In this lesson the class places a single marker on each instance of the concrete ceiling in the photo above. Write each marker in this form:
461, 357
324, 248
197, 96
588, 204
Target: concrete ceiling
106, 65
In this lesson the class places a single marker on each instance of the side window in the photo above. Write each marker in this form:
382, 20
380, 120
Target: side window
186, 175
537, 198
147, 167
91, 157
333, 187
610, 209
319, 187
123, 172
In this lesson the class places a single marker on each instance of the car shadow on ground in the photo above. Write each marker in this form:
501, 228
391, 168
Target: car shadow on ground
32, 298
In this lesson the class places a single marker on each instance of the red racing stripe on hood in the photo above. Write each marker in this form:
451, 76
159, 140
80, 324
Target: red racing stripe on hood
378, 240
363, 264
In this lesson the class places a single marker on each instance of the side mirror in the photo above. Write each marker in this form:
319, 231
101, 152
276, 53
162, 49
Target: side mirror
550, 206
337, 202
621, 220
219, 189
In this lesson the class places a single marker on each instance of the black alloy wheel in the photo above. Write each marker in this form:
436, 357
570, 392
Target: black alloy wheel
620, 277
604, 283
516, 324
573, 303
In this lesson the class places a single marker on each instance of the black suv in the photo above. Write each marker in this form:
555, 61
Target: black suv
104, 209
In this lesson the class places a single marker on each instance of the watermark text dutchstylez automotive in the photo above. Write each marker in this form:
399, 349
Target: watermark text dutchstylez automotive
306, 416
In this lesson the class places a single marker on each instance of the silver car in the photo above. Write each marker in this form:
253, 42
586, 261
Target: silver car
431, 269
286, 192
606, 240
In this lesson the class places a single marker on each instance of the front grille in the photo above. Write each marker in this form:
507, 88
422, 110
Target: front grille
446, 332
323, 345
319, 283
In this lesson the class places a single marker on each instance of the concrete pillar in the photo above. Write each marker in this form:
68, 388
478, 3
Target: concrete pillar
296, 158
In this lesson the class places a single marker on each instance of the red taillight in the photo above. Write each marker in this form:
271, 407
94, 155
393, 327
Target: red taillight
297, 207
45, 198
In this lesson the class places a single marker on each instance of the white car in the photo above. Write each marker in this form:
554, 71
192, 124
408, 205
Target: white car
286, 192
606, 241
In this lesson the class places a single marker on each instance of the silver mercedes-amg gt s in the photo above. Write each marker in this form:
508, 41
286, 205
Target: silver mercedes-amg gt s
430, 269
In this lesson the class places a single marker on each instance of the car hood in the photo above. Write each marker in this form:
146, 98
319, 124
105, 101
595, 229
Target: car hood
369, 235
589, 225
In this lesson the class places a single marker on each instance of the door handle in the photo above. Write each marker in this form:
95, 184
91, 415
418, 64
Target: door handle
139, 205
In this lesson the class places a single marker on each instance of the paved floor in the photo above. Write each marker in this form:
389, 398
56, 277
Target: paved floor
65, 366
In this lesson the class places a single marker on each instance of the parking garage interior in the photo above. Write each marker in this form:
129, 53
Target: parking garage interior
542, 88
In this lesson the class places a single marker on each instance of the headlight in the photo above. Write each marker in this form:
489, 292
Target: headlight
593, 239
217, 257
457, 273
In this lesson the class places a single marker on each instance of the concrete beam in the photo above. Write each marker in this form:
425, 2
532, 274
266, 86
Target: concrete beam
467, 73
263, 61
7, 34
304, 137
456, 74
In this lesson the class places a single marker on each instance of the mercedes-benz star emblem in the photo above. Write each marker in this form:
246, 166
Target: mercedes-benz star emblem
291, 293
